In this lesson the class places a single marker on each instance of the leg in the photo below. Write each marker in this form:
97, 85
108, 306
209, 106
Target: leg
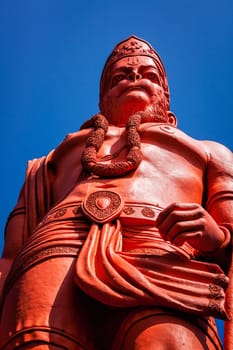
165, 332
44, 306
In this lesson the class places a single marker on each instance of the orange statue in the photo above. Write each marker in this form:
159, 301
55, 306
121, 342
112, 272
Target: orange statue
121, 237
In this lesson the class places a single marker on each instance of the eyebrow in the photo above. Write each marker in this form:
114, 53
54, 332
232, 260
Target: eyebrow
126, 69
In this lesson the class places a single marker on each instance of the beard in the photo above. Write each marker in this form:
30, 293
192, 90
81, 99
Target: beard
156, 111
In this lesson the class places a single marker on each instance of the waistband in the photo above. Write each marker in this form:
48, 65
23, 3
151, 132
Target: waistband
131, 214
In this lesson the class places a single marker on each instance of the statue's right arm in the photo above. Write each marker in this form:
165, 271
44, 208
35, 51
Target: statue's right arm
14, 239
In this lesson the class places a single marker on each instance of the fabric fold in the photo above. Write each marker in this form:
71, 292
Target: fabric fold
116, 277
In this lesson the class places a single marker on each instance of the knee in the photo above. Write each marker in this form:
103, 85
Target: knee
154, 334
152, 338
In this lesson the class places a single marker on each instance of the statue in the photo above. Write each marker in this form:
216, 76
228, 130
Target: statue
121, 236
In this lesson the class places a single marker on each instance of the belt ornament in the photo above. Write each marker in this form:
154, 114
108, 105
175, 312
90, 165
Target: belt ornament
102, 206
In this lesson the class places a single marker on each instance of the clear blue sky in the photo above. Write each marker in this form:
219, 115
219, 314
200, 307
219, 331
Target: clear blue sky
52, 53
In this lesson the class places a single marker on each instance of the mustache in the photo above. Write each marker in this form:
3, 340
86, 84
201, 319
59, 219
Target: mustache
137, 85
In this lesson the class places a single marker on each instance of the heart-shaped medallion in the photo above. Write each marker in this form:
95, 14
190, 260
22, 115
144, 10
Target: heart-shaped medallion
102, 206
102, 202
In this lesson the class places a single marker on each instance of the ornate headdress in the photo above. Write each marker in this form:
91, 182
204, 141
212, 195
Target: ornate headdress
133, 46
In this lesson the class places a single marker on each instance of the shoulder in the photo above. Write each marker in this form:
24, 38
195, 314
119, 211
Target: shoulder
76, 136
218, 152
220, 161
70, 143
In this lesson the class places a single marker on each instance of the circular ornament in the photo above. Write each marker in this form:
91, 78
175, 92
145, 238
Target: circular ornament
60, 213
148, 212
102, 206
167, 128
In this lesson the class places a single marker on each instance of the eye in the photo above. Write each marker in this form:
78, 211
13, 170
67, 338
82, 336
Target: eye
117, 79
152, 76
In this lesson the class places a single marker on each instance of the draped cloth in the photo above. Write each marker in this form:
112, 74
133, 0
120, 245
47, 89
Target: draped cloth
37, 195
146, 276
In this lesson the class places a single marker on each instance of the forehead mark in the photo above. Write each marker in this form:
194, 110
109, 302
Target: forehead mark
133, 60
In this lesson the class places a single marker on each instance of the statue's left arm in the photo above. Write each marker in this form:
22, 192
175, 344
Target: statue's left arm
207, 226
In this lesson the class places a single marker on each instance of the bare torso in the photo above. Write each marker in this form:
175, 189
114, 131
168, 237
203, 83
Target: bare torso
172, 168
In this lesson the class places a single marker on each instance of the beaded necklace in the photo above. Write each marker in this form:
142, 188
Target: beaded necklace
96, 138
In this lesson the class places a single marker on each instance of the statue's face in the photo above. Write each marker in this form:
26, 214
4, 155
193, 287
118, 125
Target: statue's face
133, 86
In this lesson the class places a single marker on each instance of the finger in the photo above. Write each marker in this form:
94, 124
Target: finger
175, 206
184, 228
193, 238
178, 219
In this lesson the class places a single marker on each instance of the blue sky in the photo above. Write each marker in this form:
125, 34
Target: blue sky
52, 54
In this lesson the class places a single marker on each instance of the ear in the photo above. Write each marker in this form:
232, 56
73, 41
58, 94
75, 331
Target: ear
171, 118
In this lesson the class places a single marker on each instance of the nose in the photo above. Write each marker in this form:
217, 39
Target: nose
134, 75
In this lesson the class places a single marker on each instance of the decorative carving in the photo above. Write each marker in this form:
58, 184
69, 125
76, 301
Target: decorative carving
60, 213
133, 47
148, 212
77, 210
222, 280
102, 206
167, 128
215, 308
215, 291
128, 210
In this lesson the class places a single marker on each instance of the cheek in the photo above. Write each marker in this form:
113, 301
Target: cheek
111, 95
107, 103
157, 93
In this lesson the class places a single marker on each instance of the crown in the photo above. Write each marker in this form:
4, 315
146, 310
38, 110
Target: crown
133, 46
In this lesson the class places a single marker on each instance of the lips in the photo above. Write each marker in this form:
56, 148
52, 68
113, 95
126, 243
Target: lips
134, 87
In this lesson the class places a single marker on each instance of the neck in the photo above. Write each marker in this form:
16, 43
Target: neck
154, 113
120, 118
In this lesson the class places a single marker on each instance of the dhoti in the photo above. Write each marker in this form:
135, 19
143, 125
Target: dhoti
121, 268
